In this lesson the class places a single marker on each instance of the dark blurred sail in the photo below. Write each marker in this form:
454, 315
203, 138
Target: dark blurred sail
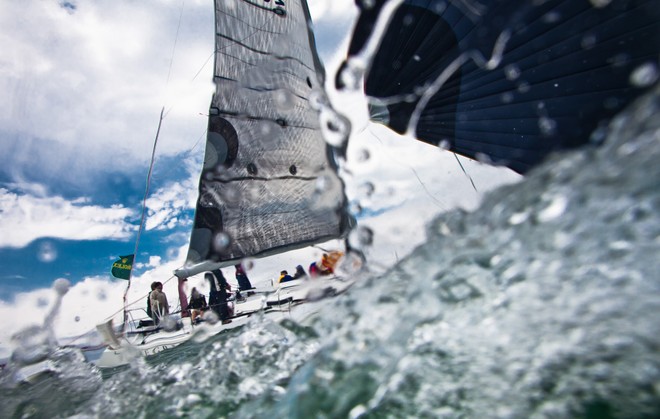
268, 184
567, 67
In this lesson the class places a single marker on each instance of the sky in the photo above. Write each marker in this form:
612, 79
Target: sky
82, 85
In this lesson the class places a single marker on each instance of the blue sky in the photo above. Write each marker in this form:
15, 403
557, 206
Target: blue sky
79, 126
82, 85
81, 89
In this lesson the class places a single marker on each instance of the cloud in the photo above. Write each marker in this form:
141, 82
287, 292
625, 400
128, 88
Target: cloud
153, 262
328, 10
81, 90
166, 204
26, 218
87, 303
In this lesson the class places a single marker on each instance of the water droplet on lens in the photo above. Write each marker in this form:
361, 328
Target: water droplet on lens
368, 4
523, 87
588, 41
247, 264
210, 317
619, 60
551, 17
231, 194
547, 126
321, 184
61, 286
317, 100
350, 264
284, 100
512, 72
77, 318
484, 158
507, 97
438, 7
365, 236
335, 128
355, 208
221, 241
169, 324
266, 127
599, 4
101, 295
47, 252
363, 155
644, 75
367, 189
351, 76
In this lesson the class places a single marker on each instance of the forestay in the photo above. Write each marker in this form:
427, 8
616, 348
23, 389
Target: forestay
268, 183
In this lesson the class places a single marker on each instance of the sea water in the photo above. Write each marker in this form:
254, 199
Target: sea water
543, 303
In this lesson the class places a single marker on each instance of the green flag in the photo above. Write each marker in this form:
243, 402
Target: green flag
122, 267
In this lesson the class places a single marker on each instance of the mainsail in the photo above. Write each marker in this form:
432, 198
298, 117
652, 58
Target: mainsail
268, 183
517, 79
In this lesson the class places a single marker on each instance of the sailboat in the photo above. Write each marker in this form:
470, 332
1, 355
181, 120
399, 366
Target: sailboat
507, 82
269, 182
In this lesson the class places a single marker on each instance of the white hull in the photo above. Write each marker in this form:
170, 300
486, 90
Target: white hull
285, 302
142, 345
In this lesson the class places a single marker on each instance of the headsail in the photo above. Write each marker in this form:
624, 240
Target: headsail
565, 67
268, 183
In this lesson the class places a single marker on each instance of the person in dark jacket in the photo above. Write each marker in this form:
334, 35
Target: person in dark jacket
300, 272
242, 278
149, 312
285, 277
218, 295
197, 304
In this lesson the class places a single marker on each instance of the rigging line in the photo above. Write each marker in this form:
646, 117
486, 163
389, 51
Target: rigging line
466, 173
144, 212
437, 201
198, 140
203, 65
419, 180
176, 38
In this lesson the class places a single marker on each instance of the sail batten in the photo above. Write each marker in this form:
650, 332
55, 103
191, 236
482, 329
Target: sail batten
269, 181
